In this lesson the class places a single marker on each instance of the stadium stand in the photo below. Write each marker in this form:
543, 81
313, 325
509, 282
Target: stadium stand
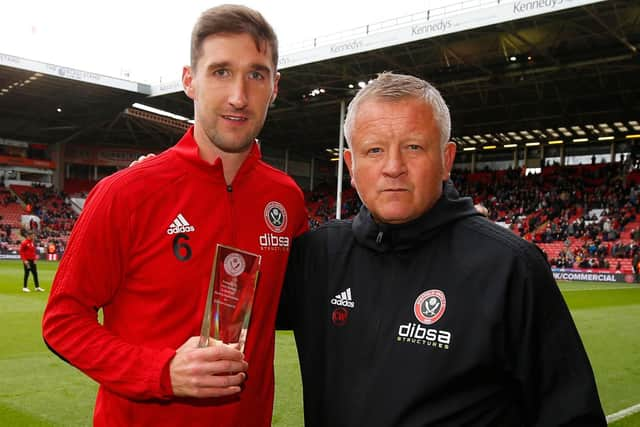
78, 186
55, 218
583, 216
580, 216
10, 209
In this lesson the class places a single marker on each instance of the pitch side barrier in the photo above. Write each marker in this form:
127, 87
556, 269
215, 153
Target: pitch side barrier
591, 275
41, 257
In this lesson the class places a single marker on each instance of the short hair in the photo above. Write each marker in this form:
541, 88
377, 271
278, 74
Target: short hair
233, 19
394, 87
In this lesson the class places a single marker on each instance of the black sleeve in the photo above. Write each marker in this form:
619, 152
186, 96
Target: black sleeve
549, 359
293, 280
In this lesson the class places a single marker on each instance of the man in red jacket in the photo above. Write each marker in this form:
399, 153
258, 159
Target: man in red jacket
28, 257
160, 222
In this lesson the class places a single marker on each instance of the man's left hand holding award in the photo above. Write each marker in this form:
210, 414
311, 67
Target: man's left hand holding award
217, 370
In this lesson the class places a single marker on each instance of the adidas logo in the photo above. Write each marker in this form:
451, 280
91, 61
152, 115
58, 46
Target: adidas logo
180, 225
343, 299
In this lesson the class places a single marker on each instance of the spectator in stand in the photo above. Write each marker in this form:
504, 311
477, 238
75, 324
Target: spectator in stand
159, 223
482, 209
603, 263
619, 268
28, 256
51, 251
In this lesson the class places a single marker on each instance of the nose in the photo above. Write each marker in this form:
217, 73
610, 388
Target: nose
394, 164
238, 93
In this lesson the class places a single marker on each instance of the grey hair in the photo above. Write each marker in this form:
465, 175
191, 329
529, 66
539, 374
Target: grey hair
394, 87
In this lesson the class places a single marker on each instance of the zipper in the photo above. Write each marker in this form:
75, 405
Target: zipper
231, 216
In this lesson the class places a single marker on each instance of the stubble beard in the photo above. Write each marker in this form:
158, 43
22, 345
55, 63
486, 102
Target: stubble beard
227, 145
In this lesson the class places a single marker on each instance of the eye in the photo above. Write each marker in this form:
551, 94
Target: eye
256, 75
414, 147
374, 150
221, 72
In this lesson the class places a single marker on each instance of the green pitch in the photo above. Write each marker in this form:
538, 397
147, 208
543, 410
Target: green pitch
38, 389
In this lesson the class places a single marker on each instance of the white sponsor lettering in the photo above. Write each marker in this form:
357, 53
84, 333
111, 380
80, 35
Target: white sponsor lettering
181, 229
342, 302
587, 277
272, 240
417, 331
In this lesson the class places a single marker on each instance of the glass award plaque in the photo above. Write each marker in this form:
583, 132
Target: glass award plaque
230, 296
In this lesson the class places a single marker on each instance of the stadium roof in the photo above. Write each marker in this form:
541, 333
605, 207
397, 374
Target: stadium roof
576, 69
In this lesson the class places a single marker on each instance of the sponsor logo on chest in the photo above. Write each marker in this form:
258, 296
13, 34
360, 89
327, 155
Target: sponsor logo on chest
180, 225
428, 308
276, 220
343, 303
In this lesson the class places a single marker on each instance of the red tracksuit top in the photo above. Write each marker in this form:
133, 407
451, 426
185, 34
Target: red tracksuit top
126, 255
27, 250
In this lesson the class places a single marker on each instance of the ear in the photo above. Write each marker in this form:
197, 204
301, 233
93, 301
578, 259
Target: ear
449, 157
276, 80
348, 159
187, 82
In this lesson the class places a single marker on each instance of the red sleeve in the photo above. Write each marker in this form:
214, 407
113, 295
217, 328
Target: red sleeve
86, 280
22, 251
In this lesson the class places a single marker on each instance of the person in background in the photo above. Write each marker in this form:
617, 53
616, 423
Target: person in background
160, 222
28, 256
482, 209
420, 311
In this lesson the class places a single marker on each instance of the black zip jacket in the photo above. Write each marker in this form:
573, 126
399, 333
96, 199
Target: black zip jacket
448, 320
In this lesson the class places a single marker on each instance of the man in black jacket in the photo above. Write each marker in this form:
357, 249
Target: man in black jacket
421, 311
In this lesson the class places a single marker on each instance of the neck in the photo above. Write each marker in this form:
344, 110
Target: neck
231, 162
